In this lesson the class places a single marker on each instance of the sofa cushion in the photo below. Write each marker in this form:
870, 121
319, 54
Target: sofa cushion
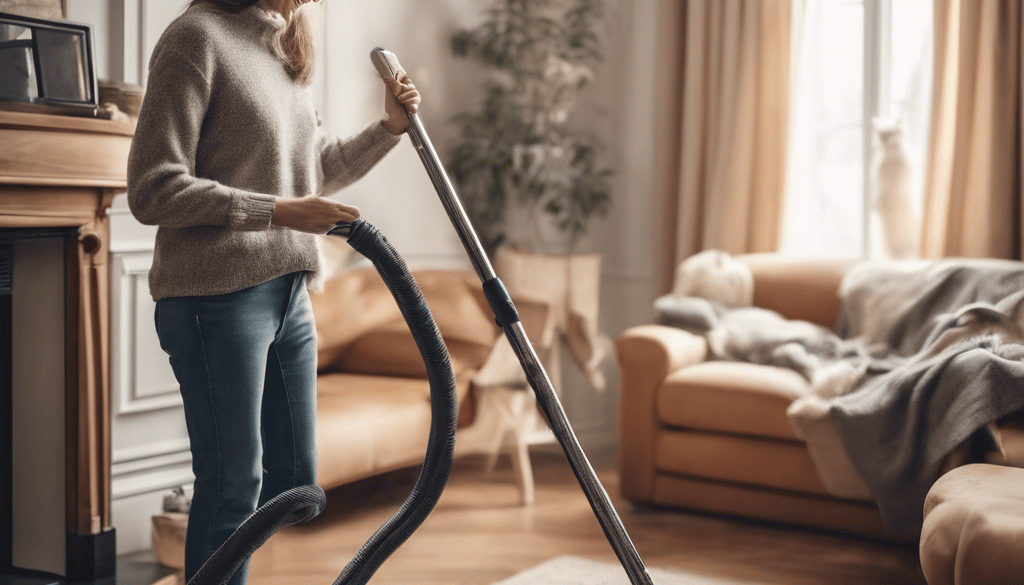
349, 305
803, 288
778, 464
455, 301
352, 410
391, 351
731, 397
358, 302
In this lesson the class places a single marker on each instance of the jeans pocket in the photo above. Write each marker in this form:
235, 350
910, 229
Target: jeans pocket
156, 324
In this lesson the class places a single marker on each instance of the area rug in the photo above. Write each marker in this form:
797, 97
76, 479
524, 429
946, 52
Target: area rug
570, 570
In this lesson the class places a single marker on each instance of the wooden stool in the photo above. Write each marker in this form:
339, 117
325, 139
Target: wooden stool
973, 531
508, 419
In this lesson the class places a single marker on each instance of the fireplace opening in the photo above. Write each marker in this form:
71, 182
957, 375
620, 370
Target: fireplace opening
33, 536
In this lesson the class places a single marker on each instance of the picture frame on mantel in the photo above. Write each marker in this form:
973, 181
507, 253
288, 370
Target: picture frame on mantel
49, 9
47, 66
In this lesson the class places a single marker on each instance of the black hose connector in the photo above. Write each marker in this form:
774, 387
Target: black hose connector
504, 310
293, 506
444, 406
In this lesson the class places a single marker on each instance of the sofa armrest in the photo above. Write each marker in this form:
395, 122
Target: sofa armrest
647, 354
662, 349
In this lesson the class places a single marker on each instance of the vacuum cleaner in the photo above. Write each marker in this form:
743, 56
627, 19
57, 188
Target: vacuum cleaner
305, 502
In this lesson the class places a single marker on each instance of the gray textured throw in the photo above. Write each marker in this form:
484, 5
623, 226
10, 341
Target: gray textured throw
936, 356
928, 396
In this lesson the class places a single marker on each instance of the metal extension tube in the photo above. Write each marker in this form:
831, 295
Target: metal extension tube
387, 66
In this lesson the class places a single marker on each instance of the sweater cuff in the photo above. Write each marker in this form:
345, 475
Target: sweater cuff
383, 140
250, 211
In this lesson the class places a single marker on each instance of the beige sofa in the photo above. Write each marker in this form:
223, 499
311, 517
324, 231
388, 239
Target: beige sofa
714, 435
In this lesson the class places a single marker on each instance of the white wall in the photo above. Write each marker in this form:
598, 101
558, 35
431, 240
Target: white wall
396, 196
622, 102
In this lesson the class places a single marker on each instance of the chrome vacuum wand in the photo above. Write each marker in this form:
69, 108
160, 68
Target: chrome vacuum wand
507, 317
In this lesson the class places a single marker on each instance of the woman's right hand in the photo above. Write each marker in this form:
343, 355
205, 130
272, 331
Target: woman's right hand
315, 215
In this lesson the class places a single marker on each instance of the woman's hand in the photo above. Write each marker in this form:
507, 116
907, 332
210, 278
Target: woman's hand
401, 97
315, 215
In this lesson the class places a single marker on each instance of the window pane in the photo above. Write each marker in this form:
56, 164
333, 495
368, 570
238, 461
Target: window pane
839, 192
840, 63
825, 198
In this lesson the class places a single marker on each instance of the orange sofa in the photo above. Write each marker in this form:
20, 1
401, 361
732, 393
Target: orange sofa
714, 435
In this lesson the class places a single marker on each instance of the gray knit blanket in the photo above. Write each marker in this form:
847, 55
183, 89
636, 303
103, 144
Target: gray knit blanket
924, 357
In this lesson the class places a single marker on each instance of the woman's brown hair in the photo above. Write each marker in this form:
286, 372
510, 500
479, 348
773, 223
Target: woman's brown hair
294, 44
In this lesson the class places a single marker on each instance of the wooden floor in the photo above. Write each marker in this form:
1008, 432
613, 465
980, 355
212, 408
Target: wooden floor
479, 534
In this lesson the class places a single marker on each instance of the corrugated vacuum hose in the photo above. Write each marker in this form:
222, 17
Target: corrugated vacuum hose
305, 502
293, 506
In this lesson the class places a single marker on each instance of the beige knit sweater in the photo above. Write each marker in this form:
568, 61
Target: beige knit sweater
222, 132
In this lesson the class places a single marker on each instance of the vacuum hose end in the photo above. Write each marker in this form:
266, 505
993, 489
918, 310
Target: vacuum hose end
296, 505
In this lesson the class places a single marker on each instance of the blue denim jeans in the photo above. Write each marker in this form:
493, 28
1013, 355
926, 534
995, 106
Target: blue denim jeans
246, 364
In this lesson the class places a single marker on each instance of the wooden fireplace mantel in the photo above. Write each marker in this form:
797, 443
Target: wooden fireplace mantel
63, 172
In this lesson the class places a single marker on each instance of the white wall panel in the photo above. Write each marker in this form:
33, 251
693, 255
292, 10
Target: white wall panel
142, 378
154, 16
96, 13
397, 196
127, 234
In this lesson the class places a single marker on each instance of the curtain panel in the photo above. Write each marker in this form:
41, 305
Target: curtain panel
722, 105
972, 202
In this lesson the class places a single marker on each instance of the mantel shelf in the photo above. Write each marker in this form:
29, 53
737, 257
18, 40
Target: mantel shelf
55, 151
50, 122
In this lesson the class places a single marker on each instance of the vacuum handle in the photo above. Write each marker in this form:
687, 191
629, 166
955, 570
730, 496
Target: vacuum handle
386, 62
387, 66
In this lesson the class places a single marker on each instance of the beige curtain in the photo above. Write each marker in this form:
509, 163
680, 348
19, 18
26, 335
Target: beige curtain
721, 101
972, 203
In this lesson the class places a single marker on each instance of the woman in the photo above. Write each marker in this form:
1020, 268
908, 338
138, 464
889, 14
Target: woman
229, 163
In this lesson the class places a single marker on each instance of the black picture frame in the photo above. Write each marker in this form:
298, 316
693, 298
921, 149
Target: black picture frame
48, 65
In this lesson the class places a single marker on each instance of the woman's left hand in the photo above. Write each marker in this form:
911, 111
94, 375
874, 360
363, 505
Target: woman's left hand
401, 97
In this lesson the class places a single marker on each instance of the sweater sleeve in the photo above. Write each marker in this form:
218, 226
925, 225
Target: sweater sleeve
162, 186
345, 161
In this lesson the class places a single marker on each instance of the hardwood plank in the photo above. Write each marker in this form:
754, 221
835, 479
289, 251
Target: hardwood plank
480, 534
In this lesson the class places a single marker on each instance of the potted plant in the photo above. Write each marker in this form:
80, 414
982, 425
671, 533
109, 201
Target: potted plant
529, 177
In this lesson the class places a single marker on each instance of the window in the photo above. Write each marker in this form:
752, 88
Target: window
857, 64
